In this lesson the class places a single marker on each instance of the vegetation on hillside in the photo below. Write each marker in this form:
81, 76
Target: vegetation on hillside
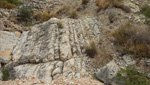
59, 24
15, 2
145, 10
91, 50
25, 13
85, 1
5, 75
133, 40
103, 4
5, 4
9, 4
130, 76
42, 16
74, 14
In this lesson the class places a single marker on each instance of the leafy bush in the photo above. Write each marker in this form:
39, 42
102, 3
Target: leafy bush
26, 13
73, 14
5, 75
91, 50
5, 4
146, 11
130, 76
85, 1
42, 16
133, 41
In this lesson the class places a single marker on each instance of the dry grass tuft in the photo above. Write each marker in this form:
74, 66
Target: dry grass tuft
103, 4
85, 2
74, 15
109, 3
59, 24
100, 52
5, 4
91, 50
133, 40
42, 16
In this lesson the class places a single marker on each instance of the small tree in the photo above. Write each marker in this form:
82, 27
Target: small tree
26, 13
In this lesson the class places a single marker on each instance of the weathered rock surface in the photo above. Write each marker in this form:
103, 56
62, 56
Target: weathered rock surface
48, 51
108, 72
7, 42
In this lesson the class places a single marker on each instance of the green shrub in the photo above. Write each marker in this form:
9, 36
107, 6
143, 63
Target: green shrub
85, 1
145, 10
26, 13
5, 75
5, 4
91, 50
130, 76
133, 41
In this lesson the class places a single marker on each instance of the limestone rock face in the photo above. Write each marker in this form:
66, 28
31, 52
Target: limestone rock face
8, 40
45, 71
48, 51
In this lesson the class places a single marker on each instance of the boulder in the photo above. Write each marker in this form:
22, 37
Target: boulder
107, 74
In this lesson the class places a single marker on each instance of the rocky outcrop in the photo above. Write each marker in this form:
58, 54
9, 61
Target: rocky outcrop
108, 72
48, 51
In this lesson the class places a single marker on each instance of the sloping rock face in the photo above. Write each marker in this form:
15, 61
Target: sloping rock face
48, 51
